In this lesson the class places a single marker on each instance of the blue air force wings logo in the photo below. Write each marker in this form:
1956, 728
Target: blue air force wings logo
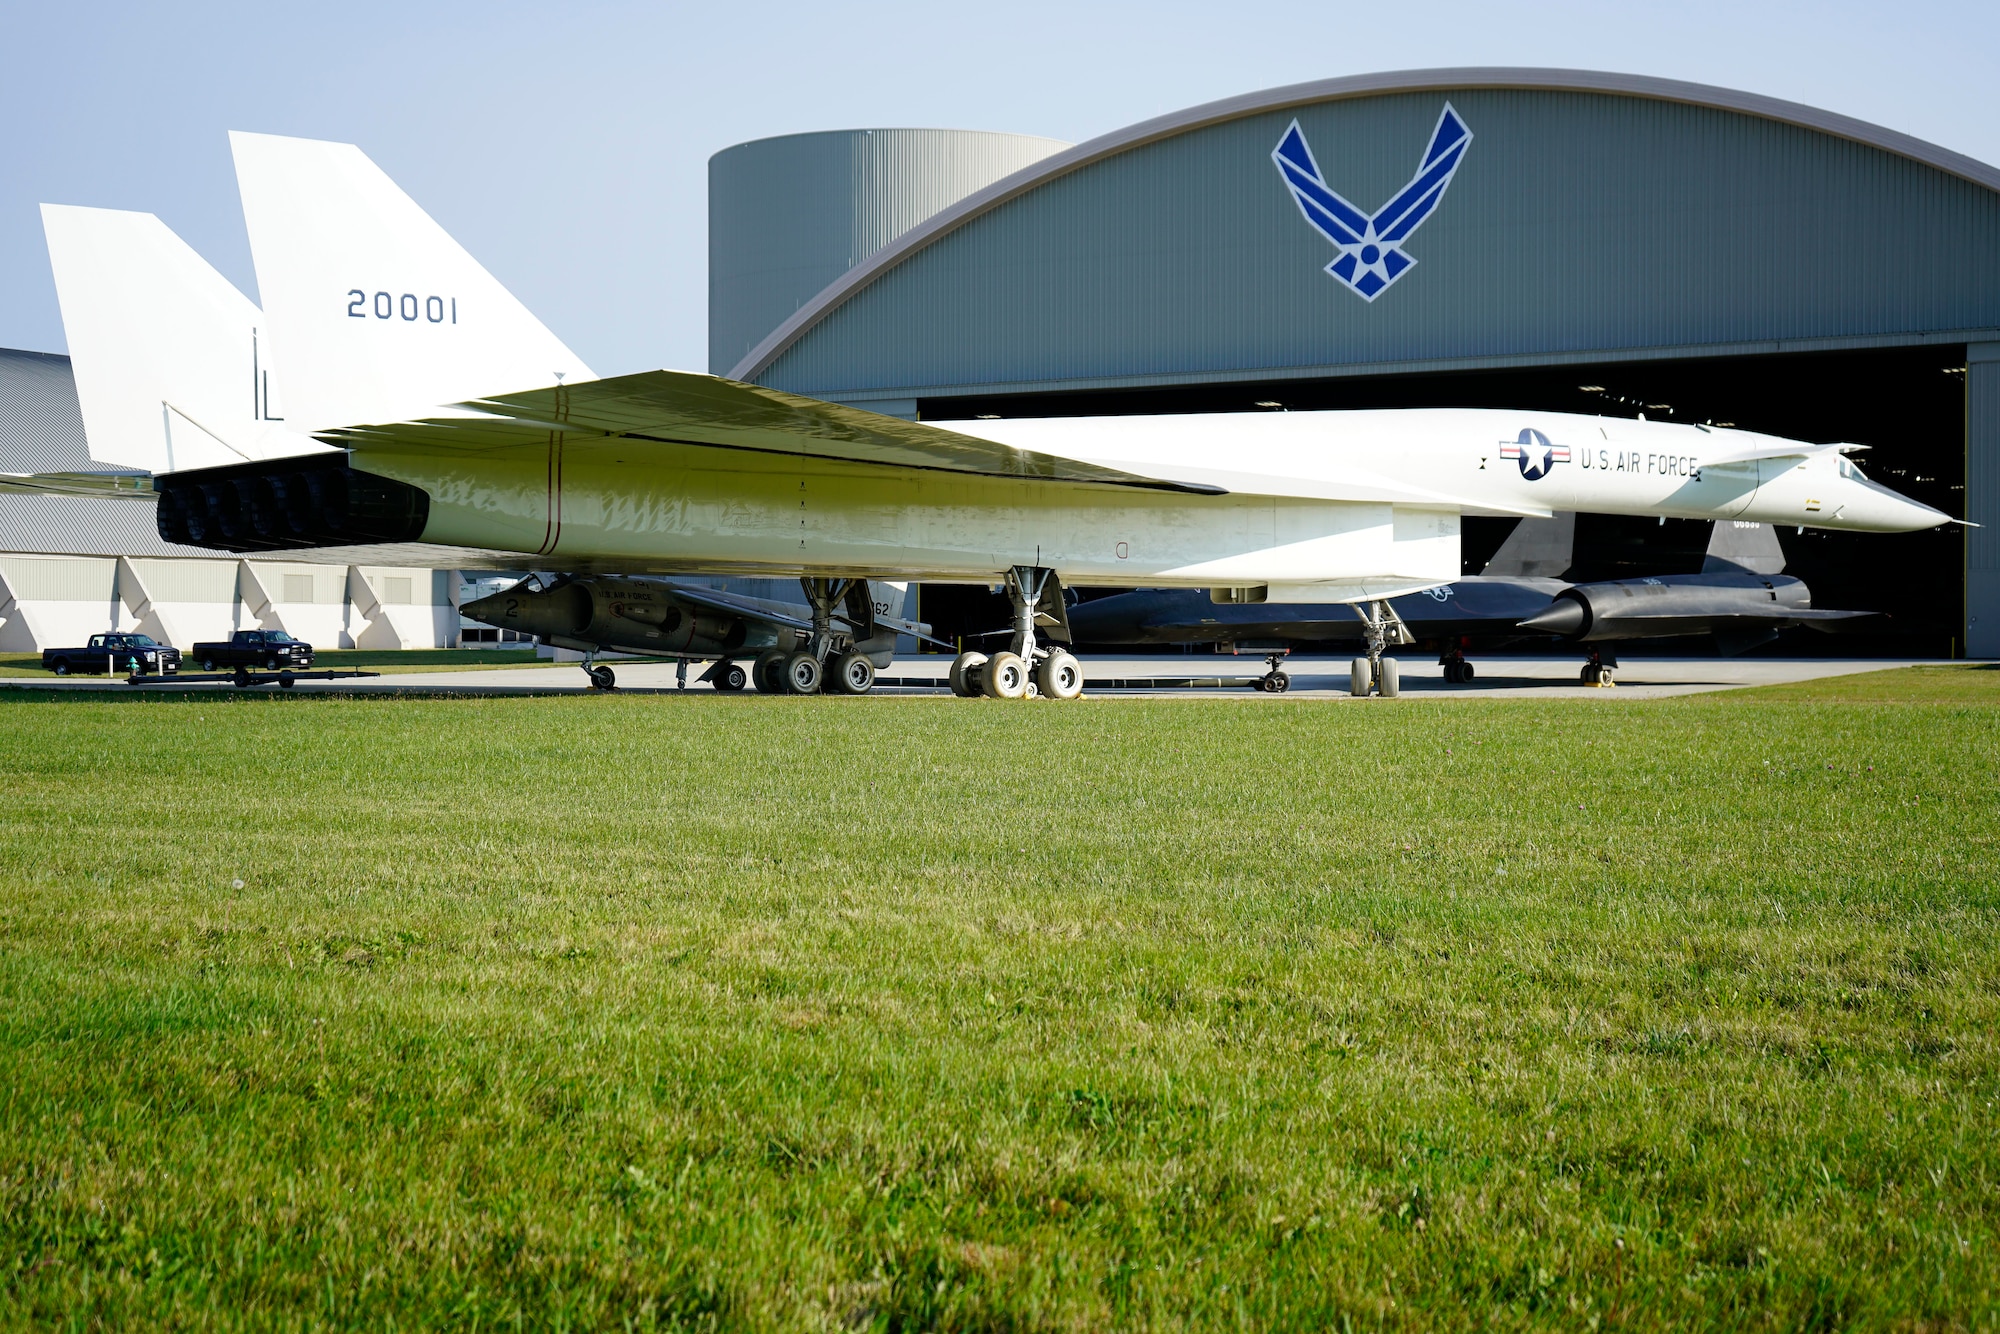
1532, 450
1371, 247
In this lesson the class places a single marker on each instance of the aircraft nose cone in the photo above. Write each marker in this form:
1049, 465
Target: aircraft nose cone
1564, 616
482, 609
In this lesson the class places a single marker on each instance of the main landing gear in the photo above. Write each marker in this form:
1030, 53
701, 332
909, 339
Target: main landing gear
1457, 671
1274, 681
1025, 667
1378, 672
1597, 671
829, 659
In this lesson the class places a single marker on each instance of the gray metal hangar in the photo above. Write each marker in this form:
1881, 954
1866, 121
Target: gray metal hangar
1602, 243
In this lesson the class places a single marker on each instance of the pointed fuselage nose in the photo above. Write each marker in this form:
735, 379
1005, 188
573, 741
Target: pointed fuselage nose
483, 609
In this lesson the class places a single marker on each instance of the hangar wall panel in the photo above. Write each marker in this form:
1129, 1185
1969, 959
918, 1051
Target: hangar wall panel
786, 216
1579, 224
1982, 500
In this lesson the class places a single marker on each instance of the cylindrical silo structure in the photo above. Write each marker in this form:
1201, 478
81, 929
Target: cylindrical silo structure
787, 216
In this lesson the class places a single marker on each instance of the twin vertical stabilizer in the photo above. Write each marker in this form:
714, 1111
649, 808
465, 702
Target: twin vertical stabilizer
172, 363
379, 315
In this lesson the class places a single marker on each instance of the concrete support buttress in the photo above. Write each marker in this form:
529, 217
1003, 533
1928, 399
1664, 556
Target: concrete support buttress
147, 617
379, 632
255, 599
18, 631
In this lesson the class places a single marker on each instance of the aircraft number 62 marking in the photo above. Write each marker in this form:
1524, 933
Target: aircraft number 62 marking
409, 307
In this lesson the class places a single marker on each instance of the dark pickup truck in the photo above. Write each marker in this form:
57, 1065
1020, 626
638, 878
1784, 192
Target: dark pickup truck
269, 649
136, 655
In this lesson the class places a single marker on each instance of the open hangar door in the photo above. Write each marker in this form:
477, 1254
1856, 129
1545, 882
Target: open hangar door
1906, 403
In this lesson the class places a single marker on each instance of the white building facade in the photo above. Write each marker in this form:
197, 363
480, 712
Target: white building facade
74, 566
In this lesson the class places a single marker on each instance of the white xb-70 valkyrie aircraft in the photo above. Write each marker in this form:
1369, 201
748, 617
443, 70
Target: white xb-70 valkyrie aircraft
457, 419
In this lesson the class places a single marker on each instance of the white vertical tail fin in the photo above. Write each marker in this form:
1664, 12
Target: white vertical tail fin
172, 364
379, 315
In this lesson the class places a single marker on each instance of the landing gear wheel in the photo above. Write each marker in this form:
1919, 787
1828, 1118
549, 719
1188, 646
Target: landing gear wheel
1604, 676
1006, 676
851, 674
802, 674
286, 680
1059, 676
1280, 682
968, 675
1392, 679
1357, 678
1465, 673
729, 677
602, 678
767, 673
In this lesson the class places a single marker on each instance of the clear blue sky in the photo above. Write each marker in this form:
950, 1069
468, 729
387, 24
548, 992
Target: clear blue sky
566, 145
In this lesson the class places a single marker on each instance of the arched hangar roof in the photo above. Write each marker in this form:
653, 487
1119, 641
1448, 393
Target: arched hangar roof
1593, 216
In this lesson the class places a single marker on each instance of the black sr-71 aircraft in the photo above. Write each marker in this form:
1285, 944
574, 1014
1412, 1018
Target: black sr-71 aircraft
1740, 596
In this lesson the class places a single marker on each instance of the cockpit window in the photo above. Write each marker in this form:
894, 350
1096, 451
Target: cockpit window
1849, 471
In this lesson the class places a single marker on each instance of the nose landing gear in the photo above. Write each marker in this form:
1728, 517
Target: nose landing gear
1274, 681
1597, 671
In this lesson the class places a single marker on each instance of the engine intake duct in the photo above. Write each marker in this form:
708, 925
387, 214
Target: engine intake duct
317, 500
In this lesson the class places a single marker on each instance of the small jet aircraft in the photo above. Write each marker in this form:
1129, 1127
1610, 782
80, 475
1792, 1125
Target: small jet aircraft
434, 412
1741, 596
688, 620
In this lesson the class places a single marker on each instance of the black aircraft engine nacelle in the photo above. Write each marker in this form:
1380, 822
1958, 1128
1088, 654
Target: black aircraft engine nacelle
1671, 605
310, 500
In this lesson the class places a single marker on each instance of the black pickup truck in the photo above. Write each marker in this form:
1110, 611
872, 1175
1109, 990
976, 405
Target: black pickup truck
136, 655
269, 649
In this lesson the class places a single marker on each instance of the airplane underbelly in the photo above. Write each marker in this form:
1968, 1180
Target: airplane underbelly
772, 512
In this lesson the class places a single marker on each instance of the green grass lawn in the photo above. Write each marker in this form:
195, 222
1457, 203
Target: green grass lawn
769, 1013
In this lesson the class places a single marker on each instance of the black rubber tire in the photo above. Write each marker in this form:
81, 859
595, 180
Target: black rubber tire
1280, 683
1465, 673
208, 664
802, 674
242, 678
603, 678
729, 677
1391, 683
766, 672
962, 679
60, 666
850, 674
286, 680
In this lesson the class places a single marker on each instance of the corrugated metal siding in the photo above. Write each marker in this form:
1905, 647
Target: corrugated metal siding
787, 216
188, 580
60, 578
41, 427
1579, 223
1982, 500
85, 525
